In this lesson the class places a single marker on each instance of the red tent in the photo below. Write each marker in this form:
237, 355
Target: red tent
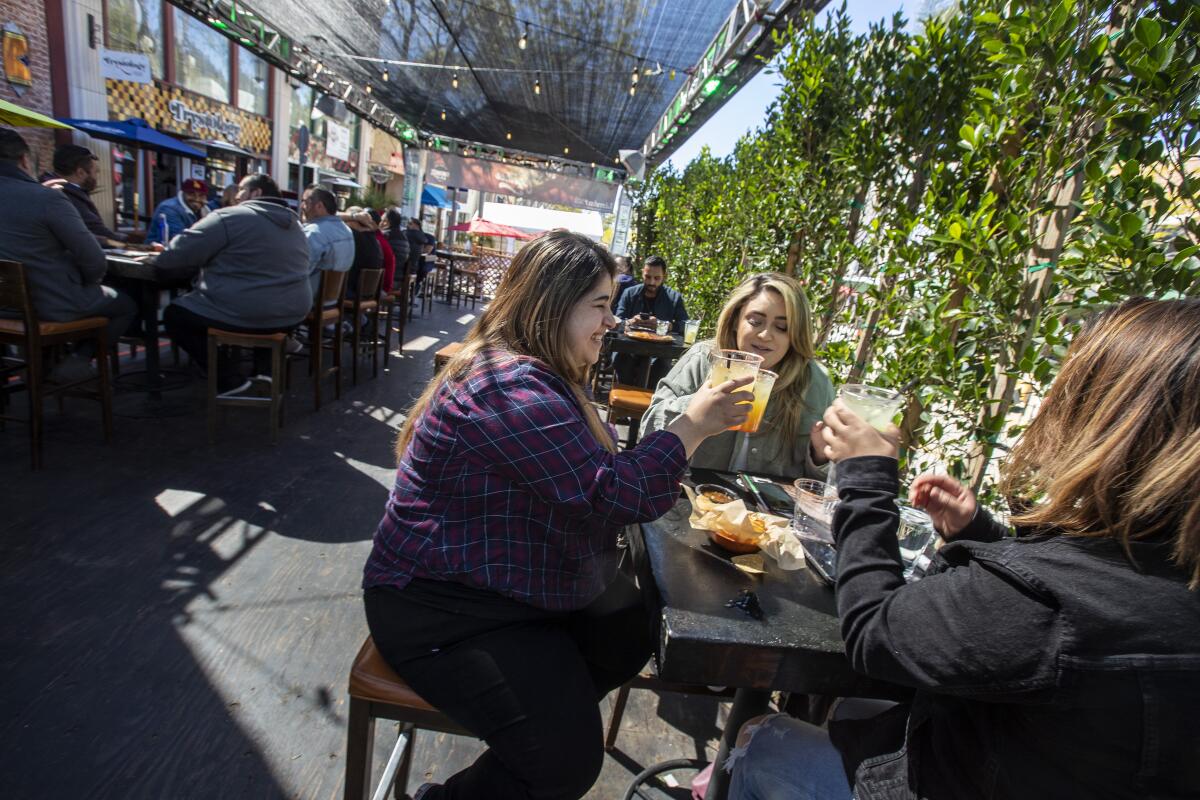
481, 227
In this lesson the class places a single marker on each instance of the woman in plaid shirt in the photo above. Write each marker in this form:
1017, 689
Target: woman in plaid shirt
492, 587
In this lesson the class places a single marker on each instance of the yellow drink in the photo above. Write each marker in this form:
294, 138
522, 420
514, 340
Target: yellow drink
763, 383
732, 365
875, 406
690, 329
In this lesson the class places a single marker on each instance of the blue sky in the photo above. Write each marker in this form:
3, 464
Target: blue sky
747, 109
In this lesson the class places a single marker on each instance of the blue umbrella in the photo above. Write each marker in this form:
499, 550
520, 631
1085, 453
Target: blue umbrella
136, 133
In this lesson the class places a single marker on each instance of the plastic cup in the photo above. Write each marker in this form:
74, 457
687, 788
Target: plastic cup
732, 365
813, 517
663, 327
691, 330
876, 406
763, 383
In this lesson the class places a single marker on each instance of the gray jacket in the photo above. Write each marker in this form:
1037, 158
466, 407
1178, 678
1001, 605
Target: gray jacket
252, 261
767, 454
63, 261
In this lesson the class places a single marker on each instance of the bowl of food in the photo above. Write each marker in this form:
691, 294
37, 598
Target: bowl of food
709, 496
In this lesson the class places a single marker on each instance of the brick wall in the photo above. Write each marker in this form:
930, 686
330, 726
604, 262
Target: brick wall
30, 17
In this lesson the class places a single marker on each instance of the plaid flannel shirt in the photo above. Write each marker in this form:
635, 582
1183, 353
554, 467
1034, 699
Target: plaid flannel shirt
503, 487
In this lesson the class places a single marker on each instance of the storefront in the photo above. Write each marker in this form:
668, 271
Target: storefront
334, 136
385, 166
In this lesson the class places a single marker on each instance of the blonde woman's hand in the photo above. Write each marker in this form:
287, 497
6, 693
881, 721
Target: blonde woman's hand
846, 435
948, 503
711, 411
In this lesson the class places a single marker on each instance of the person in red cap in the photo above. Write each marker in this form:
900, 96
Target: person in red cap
176, 214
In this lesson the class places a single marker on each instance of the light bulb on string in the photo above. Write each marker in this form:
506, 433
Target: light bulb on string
386, 76
320, 68
632, 89
523, 42
443, 115
537, 84
367, 88
634, 76
508, 136
454, 81
566, 151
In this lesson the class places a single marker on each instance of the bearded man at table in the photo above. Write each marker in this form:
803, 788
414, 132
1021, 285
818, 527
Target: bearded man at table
657, 302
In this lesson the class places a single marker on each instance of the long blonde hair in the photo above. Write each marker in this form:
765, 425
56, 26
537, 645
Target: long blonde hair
1115, 448
528, 318
794, 370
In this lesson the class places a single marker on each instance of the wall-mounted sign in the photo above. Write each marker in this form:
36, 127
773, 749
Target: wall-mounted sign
122, 66
337, 140
16, 59
178, 111
396, 163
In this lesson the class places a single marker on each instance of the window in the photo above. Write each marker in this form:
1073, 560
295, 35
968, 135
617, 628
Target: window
252, 83
135, 26
201, 58
302, 101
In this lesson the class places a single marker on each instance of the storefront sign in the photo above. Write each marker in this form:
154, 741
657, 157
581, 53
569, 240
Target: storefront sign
16, 59
396, 163
121, 66
379, 174
190, 115
547, 187
337, 140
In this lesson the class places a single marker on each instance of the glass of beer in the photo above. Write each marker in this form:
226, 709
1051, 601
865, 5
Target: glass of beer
691, 329
763, 383
732, 365
875, 406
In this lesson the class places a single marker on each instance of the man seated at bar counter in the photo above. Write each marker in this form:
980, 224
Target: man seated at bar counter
330, 242
63, 261
657, 302
252, 263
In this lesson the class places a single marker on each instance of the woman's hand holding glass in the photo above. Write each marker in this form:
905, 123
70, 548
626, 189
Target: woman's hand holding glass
847, 435
948, 503
711, 411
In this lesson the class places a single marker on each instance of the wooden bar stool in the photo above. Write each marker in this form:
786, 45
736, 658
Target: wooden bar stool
365, 302
32, 336
274, 403
326, 311
376, 692
467, 277
443, 356
629, 403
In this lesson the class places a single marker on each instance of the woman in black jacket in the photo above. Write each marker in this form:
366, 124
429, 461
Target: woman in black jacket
399, 242
1062, 663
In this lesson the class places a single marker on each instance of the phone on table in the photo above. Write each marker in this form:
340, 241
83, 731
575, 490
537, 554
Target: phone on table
768, 495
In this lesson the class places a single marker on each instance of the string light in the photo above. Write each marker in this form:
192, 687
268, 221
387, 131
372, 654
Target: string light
443, 115
320, 68
454, 81
537, 84
634, 77
386, 76
367, 88
524, 40
672, 74
632, 90
508, 136
346, 93
566, 151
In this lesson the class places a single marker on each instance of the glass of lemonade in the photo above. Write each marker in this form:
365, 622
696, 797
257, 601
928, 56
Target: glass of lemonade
691, 329
876, 406
764, 381
732, 365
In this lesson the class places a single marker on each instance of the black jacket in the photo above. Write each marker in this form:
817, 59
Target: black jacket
416, 241
398, 239
1045, 666
87, 209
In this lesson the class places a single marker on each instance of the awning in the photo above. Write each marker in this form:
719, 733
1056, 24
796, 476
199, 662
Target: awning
215, 144
536, 220
338, 180
21, 117
482, 227
135, 132
434, 196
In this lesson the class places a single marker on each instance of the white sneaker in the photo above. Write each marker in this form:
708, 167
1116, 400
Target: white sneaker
236, 392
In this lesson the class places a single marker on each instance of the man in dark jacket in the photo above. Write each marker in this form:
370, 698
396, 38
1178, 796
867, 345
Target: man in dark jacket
416, 244
76, 173
63, 261
659, 303
252, 261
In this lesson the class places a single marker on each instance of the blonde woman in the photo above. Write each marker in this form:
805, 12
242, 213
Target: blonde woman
492, 586
767, 314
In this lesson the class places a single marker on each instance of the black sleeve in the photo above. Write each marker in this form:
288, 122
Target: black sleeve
974, 629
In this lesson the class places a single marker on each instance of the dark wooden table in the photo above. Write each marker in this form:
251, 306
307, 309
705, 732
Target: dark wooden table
797, 647
140, 278
453, 257
616, 341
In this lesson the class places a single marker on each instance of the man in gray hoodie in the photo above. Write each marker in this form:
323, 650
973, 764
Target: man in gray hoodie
63, 261
252, 264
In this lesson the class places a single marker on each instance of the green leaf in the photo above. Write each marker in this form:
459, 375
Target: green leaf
1130, 224
955, 230
1148, 32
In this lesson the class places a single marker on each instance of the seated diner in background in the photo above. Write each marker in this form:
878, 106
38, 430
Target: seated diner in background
76, 175
1060, 663
767, 314
644, 305
330, 242
251, 267
493, 586
367, 252
176, 214
63, 261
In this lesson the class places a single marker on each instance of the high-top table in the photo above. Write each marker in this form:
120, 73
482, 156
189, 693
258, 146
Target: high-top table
453, 256
617, 341
796, 647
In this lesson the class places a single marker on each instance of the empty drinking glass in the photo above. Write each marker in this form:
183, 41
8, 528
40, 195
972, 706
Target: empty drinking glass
813, 517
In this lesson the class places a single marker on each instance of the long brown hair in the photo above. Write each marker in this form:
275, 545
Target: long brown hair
793, 370
528, 318
1115, 448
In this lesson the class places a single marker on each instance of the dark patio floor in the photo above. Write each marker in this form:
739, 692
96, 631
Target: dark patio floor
179, 618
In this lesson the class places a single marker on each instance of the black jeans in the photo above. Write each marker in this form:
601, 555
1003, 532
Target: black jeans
190, 331
526, 681
631, 370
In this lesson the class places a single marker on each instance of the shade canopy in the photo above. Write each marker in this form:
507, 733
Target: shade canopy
434, 196
21, 117
468, 76
135, 133
481, 227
